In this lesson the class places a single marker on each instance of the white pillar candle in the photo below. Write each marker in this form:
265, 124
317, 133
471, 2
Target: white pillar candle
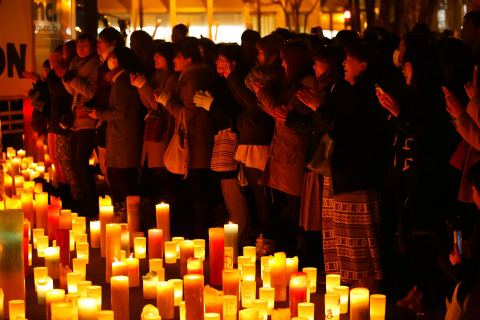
53, 296
105, 315
16, 309
71, 234
30, 255
72, 279
62, 310
165, 299
332, 306
80, 266
155, 264
38, 273
261, 306
267, 279
230, 307
227, 257
377, 306
241, 260
82, 287
83, 220
95, 234
359, 304
201, 248
140, 247
312, 276
96, 292
251, 252
306, 310
344, 292
248, 289
248, 314
106, 217
73, 299
265, 264
231, 238
52, 261
292, 266
182, 310
178, 290
248, 272
43, 284
120, 297
42, 244
37, 233
150, 284
170, 252
87, 308
269, 295
163, 219
332, 281
83, 251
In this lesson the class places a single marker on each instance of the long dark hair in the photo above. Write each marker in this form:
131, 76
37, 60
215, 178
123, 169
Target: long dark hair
189, 49
298, 57
166, 50
426, 71
333, 56
364, 52
271, 46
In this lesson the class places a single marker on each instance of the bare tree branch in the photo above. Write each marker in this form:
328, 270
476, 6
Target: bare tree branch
308, 13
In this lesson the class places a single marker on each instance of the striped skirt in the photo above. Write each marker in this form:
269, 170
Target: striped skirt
351, 231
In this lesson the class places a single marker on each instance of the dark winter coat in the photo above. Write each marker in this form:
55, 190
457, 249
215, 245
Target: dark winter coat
60, 103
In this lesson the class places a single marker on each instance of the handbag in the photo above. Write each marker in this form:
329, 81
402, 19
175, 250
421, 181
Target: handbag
153, 127
177, 156
224, 149
321, 160
460, 155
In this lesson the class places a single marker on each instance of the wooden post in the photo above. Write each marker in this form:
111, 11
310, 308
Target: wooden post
210, 18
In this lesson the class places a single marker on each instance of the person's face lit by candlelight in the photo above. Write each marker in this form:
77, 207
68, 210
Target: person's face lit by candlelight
353, 68
181, 64
222, 64
84, 48
407, 72
160, 62
320, 68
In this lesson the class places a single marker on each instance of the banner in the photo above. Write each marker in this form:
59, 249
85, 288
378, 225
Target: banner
53, 19
17, 47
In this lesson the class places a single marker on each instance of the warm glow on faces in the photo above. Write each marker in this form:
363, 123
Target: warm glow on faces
221, 64
84, 48
160, 62
353, 68
320, 68
407, 72
261, 57
284, 65
103, 45
114, 60
181, 63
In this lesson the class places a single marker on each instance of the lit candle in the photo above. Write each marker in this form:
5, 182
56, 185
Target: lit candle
213, 300
65, 220
106, 217
268, 294
119, 268
216, 244
249, 293
195, 266
29, 186
178, 290
332, 281
41, 171
53, 295
80, 265
344, 292
231, 283
72, 239
267, 278
8, 185
30, 255
123, 255
95, 234
63, 243
42, 245
83, 251
52, 262
306, 310
150, 282
155, 243
112, 247
182, 311
278, 276
261, 306
42, 210
120, 297
87, 308
80, 238
33, 176
298, 291
149, 310
133, 272
39, 273
83, 220
248, 272
21, 153
194, 297
140, 246
227, 258
199, 248
155, 264
43, 284
186, 251
72, 279
241, 260
212, 316
62, 310
27, 206
359, 304
165, 299
106, 201
265, 264
95, 292
105, 315
312, 276
53, 217
231, 238
178, 240
281, 314
230, 307
248, 314
377, 306
134, 215
332, 306
15, 166
36, 233
292, 266
163, 219
73, 299
251, 252
77, 226
170, 252
17, 309
82, 287
125, 239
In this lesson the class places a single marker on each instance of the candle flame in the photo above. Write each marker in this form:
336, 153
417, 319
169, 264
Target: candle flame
115, 259
131, 255
230, 222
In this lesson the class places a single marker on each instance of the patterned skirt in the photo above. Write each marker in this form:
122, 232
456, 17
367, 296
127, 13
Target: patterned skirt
351, 231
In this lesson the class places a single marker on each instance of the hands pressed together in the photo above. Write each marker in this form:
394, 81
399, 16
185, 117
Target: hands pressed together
311, 98
203, 99
138, 80
161, 97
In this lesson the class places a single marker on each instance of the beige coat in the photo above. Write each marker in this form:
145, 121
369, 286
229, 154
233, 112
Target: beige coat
468, 125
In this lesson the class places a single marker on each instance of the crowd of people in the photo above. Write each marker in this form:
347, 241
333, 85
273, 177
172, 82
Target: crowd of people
357, 154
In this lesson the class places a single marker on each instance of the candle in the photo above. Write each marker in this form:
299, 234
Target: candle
199, 248
42, 210
298, 291
186, 251
306, 310
123, 255
25, 246
165, 299
182, 311
15, 167
30, 255
231, 238
65, 220
278, 276
332, 306
95, 292
359, 304
27, 206
52, 261
261, 306
105, 315
120, 297
83, 220
11, 153
21, 153
62, 310
112, 247
267, 278
87, 308
160, 274
155, 264
119, 268
212, 316
106, 217
82, 287
149, 310
73, 299
155, 243
251, 252
125, 239
227, 258
194, 297
133, 215
38, 186
140, 246
36, 233
195, 266
248, 272
83, 251
106, 201
63, 242
344, 292
241, 260
312, 276
213, 300
248, 314
16, 309
249, 293
39, 273
216, 243
268, 294
281, 314
80, 238
42, 245
53, 295
133, 272
292, 266
95, 241
8, 185
163, 219
43, 284
231, 283
230, 307
77, 227
150, 282
332, 280
29, 186
265, 264
377, 306
53, 220
178, 290
41, 171
170, 252
178, 240
72, 279
80, 265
